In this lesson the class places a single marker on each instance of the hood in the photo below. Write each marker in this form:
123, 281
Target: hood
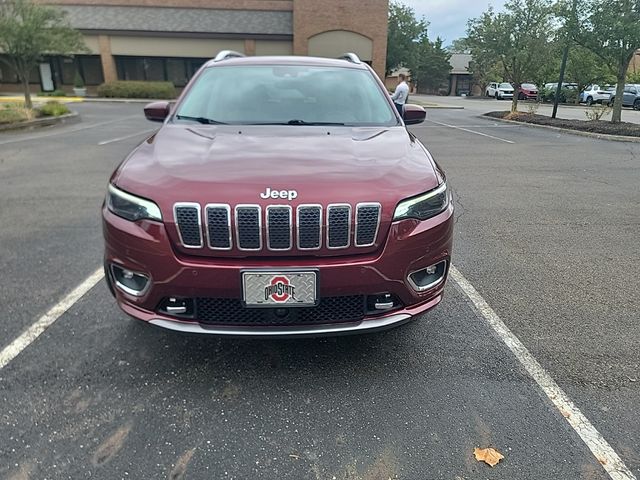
235, 164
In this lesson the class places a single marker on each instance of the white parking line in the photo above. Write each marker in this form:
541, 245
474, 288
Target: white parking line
117, 139
64, 132
600, 448
471, 131
27, 337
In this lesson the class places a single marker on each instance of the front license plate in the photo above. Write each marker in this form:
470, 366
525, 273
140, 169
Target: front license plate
279, 289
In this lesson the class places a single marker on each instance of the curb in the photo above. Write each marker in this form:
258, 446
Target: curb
600, 136
72, 117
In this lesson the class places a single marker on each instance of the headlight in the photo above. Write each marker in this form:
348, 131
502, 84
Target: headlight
424, 206
131, 207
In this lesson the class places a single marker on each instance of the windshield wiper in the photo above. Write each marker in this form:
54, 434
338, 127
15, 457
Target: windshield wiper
203, 120
302, 122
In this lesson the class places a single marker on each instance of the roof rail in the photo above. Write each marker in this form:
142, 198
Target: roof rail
350, 57
227, 54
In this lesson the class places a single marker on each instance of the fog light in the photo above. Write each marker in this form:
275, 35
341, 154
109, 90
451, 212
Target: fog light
382, 302
133, 283
182, 307
428, 277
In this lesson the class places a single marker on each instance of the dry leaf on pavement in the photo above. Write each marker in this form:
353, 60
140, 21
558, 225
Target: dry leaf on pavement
488, 455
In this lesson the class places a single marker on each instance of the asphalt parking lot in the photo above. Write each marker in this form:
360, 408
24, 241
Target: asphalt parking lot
546, 234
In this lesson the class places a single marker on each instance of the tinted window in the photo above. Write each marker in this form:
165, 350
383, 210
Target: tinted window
279, 94
529, 86
505, 85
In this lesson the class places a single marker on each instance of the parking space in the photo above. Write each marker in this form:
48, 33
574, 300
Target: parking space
546, 232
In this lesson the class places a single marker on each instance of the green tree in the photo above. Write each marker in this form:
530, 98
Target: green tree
516, 39
432, 66
611, 30
28, 31
404, 33
584, 68
459, 45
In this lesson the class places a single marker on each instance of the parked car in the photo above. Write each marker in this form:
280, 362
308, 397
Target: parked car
491, 89
296, 203
594, 94
499, 90
630, 98
528, 91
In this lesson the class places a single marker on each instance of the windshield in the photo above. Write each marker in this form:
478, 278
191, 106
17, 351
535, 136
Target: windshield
505, 85
529, 86
285, 94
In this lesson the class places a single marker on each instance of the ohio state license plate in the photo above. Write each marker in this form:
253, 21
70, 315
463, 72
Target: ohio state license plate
279, 289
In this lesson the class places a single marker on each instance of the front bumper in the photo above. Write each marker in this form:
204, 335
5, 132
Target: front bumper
145, 247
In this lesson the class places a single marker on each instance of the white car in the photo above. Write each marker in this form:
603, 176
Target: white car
594, 94
500, 90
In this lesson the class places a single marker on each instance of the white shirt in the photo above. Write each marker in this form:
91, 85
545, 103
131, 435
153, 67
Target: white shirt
401, 93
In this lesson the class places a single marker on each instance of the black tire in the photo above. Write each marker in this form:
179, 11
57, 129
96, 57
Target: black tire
521, 96
612, 100
589, 101
497, 97
636, 104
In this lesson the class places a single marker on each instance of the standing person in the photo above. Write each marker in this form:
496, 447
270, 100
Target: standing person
401, 94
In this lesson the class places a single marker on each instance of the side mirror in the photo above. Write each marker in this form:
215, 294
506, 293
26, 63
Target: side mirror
414, 114
157, 111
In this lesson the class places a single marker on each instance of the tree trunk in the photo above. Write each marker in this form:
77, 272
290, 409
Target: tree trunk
27, 93
514, 102
616, 117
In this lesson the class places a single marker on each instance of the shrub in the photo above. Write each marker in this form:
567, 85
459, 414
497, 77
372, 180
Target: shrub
597, 112
53, 109
570, 95
14, 112
55, 93
135, 89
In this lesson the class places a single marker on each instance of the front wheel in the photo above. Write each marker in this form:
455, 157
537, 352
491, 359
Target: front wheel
590, 101
497, 96
636, 104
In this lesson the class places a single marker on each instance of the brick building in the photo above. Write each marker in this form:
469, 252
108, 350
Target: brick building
170, 39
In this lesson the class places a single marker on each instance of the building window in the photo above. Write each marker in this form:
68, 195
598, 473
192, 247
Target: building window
176, 70
90, 67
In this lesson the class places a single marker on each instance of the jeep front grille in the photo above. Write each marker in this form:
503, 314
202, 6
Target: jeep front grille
306, 228
189, 227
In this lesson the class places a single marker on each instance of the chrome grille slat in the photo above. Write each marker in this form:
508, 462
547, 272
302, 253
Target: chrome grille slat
222, 224
338, 226
279, 228
188, 222
367, 223
309, 226
218, 226
249, 227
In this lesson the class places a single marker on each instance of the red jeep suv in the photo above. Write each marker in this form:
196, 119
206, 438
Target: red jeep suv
282, 196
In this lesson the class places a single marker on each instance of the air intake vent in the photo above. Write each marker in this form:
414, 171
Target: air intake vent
187, 218
309, 227
339, 226
367, 223
218, 219
279, 227
249, 227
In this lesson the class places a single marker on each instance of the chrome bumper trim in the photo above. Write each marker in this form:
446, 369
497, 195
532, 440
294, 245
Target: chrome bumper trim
306, 330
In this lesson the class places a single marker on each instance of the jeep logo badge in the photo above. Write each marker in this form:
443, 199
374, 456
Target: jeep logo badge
283, 194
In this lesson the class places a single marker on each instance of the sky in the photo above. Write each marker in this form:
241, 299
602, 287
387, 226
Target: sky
448, 18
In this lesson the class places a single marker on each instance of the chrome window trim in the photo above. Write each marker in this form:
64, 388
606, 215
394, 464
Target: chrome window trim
320, 226
375, 235
430, 285
206, 224
175, 220
235, 219
334, 205
268, 226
